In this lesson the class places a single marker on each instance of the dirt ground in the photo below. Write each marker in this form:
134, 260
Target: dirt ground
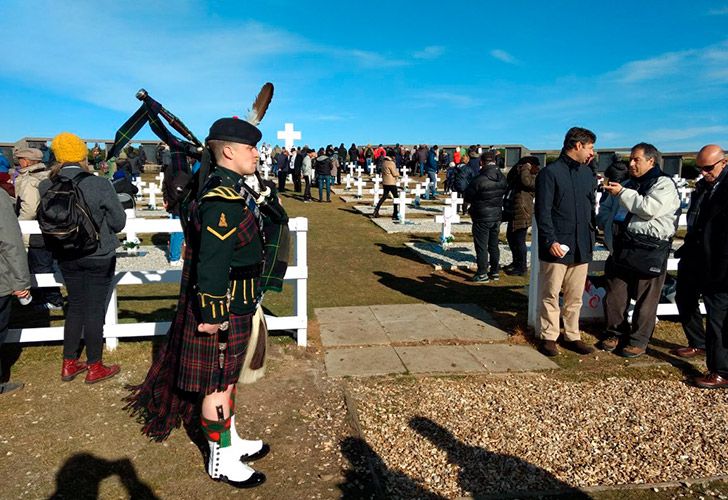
71, 440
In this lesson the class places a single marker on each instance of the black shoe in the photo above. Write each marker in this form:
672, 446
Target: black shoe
579, 347
8, 387
515, 272
548, 347
256, 479
257, 455
493, 276
480, 278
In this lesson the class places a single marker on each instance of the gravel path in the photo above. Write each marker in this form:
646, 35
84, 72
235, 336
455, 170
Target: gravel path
494, 435
155, 259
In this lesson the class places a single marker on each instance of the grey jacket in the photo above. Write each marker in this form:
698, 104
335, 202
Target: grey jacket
106, 210
14, 272
652, 214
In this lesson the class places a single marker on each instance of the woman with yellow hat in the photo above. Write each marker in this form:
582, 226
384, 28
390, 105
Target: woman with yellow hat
88, 278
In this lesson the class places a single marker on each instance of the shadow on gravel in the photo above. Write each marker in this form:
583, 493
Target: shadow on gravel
485, 474
81, 475
367, 471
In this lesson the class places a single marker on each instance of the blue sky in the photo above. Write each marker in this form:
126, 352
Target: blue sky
409, 72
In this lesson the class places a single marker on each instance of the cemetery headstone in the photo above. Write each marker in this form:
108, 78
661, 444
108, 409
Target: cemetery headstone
402, 201
360, 183
289, 135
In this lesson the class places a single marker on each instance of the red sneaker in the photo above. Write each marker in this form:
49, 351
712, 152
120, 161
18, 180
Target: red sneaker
98, 372
71, 368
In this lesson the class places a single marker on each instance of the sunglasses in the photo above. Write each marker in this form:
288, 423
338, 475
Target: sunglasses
709, 168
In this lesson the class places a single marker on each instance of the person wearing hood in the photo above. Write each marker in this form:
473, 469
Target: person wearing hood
322, 167
643, 214
485, 196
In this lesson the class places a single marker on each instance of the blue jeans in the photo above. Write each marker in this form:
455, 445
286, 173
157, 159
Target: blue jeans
175, 243
324, 180
432, 175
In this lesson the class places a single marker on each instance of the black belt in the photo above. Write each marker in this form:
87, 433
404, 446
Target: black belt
246, 272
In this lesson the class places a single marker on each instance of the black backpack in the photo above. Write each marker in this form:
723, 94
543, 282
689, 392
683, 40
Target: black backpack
65, 219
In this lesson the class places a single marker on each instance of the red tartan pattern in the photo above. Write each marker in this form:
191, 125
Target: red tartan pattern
199, 370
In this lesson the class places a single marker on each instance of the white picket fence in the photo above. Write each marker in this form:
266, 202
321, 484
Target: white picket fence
113, 330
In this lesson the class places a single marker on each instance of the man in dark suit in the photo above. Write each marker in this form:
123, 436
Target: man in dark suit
709, 244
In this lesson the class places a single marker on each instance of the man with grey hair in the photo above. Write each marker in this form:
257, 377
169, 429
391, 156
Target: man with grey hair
643, 214
31, 172
707, 246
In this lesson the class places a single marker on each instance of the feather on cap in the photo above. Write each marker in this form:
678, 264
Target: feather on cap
260, 105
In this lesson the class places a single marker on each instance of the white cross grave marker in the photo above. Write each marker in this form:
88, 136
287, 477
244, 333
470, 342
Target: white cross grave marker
348, 179
404, 170
406, 182
454, 201
377, 191
360, 183
152, 191
266, 170
359, 171
139, 183
426, 185
351, 169
377, 179
160, 179
402, 201
447, 219
371, 168
289, 135
418, 191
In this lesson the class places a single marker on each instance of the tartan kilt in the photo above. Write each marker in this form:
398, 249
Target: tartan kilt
199, 370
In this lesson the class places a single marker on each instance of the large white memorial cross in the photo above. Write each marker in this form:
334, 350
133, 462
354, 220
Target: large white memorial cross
289, 135
402, 201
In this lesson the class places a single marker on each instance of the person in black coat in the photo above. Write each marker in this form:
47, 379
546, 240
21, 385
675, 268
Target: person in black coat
282, 162
708, 246
564, 208
296, 173
485, 196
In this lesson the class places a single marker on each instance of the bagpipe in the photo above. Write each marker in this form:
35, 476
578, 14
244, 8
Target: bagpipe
186, 186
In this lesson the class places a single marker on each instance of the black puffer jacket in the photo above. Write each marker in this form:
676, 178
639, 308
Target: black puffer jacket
485, 195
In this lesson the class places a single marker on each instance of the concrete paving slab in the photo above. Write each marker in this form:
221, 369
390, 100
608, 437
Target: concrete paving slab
451, 312
477, 331
403, 312
439, 359
362, 362
344, 314
409, 331
517, 358
353, 333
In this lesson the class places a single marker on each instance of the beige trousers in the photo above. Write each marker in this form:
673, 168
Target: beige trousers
553, 278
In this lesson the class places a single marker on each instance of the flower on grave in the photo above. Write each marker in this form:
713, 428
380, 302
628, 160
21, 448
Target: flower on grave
130, 244
446, 242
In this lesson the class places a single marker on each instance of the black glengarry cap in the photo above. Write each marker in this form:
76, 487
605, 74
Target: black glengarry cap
234, 130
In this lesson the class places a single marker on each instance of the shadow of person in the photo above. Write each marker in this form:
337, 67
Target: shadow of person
485, 474
367, 472
81, 475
